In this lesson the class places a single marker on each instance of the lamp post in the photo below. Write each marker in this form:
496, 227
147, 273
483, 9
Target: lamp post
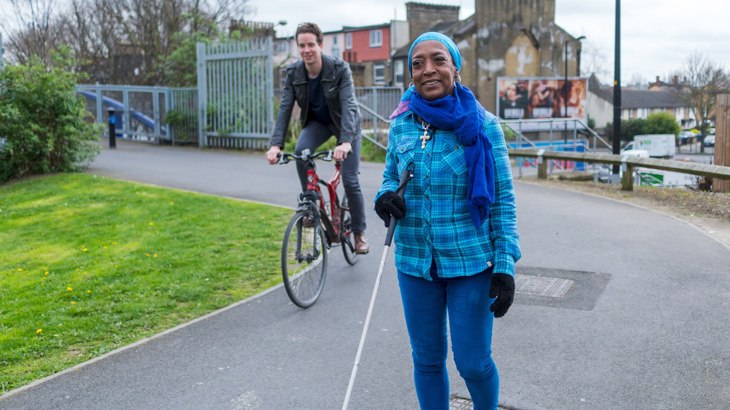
565, 86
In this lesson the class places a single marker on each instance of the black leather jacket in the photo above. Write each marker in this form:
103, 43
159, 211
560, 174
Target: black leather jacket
339, 94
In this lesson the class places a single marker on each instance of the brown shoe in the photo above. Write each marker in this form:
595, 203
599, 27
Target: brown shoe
361, 244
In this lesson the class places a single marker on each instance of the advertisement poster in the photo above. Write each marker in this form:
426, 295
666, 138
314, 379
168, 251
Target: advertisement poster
541, 98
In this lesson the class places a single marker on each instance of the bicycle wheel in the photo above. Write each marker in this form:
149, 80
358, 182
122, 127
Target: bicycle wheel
347, 237
304, 260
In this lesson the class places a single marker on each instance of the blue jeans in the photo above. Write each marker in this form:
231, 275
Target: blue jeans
466, 299
315, 134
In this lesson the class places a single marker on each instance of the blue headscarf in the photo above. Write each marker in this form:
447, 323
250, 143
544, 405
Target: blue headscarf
461, 113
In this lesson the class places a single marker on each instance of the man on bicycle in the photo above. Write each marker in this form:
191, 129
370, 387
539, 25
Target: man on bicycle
322, 87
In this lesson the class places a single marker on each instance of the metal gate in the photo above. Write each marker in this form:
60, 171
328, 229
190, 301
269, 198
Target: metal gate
235, 93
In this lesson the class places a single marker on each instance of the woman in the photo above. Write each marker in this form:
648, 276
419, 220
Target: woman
456, 240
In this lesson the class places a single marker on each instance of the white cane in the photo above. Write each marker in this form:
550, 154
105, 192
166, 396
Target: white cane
405, 177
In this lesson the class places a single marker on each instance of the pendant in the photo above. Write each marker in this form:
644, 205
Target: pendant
425, 137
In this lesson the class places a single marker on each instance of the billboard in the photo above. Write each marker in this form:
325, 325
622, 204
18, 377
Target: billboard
535, 98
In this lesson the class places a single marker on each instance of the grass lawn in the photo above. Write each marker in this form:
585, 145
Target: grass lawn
89, 264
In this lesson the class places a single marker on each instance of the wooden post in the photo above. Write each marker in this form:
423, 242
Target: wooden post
542, 165
722, 140
627, 179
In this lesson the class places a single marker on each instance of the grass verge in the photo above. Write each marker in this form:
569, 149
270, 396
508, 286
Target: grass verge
89, 264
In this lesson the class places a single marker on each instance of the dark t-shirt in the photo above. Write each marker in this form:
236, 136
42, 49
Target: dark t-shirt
318, 110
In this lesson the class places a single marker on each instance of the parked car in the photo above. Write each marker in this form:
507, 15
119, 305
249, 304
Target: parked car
709, 141
685, 137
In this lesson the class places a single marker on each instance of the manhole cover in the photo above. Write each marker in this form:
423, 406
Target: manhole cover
559, 288
542, 286
460, 403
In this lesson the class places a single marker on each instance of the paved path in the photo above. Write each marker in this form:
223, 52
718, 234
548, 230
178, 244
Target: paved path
619, 307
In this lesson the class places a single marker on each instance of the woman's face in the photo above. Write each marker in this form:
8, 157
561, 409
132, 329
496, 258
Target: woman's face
433, 70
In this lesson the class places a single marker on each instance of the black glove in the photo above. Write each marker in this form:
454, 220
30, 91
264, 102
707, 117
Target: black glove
502, 288
390, 204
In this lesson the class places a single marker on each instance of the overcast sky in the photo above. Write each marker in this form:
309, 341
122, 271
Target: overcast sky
657, 36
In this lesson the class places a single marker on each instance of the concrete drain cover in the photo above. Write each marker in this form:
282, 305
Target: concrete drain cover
460, 403
559, 288
539, 286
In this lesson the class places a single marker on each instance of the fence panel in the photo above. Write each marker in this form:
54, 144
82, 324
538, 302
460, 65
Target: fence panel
139, 110
236, 94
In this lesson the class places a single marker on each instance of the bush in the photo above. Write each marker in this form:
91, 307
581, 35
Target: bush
42, 121
661, 123
655, 123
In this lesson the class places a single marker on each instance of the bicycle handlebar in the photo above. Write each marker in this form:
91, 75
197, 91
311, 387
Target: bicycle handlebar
286, 157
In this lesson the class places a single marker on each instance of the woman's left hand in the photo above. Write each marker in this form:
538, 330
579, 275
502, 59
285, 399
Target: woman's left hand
502, 288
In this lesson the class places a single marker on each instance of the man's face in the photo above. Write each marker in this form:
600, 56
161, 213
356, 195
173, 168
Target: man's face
433, 70
309, 50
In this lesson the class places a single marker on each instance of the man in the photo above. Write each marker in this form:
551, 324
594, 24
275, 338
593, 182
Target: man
322, 87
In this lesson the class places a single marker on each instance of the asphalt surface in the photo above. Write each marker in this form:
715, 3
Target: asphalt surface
617, 307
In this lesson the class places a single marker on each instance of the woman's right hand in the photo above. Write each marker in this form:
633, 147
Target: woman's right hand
272, 155
390, 204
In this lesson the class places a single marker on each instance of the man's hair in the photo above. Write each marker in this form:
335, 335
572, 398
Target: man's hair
309, 28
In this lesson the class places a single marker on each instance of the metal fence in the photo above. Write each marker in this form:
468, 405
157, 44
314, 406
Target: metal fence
235, 93
139, 111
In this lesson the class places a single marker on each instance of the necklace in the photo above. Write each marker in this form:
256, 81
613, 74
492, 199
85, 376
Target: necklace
425, 137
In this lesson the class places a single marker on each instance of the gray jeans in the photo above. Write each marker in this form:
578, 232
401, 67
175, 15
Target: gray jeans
315, 134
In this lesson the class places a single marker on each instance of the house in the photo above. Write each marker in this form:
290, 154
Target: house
369, 49
639, 103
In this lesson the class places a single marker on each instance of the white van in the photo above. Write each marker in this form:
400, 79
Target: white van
657, 145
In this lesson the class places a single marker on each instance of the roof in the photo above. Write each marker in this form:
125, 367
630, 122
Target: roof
371, 27
632, 98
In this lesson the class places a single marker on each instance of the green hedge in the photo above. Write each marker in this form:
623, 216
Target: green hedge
42, 121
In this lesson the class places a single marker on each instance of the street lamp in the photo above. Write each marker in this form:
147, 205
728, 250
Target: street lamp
565, 85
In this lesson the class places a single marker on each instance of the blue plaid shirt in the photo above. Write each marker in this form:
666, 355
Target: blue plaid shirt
437, 225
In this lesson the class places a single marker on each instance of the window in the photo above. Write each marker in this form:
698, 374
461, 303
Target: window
376, 38
399, 72
378, 73
348, 41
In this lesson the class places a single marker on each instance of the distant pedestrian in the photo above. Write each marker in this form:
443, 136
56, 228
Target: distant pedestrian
322, 86
456, 243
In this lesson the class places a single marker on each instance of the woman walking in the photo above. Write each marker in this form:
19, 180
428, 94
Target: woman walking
456, 243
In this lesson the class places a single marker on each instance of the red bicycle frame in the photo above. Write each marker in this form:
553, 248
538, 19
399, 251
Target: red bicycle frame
313, 182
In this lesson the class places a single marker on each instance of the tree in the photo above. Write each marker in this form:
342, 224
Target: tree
703, 79
38, 30
117, 41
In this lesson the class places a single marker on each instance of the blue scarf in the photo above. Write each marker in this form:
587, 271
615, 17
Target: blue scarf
461, 113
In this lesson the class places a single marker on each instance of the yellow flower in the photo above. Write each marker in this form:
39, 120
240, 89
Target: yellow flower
20, 269
147, 254
155, 255
89, 291
73, 302
46, 273
69, 288
152, 223
38, 331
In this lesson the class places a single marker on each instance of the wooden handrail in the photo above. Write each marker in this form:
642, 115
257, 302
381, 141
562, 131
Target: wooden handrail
685, 167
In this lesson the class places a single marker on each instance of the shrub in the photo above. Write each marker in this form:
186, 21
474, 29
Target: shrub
661, 123
42, 121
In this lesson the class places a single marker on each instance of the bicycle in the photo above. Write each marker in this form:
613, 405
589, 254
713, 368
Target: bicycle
321, 221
